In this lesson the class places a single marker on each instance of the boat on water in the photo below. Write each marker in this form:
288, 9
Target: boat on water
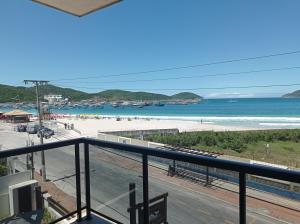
138, 104
159, 104
115, 105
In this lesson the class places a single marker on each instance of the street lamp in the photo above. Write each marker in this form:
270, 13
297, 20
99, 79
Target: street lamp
78, 7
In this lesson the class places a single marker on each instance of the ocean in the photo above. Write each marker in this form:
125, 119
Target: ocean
255, 112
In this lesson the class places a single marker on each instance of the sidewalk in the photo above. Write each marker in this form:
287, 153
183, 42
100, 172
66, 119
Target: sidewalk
65, 200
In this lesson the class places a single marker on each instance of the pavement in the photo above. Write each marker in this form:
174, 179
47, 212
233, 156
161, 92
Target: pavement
110, 177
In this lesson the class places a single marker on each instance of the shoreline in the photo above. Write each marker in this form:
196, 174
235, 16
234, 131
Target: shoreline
110, 123
90, 125
185, 118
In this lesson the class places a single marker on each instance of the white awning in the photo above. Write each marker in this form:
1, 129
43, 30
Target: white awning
78, 7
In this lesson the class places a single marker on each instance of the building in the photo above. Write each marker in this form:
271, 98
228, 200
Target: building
17, 116
52, 98
14, 189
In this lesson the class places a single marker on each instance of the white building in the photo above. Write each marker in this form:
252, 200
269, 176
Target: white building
52, 98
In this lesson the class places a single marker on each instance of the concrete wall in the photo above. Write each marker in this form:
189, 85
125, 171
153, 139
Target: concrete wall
5, 182
125, 140
4, 206
141, 133
13, 179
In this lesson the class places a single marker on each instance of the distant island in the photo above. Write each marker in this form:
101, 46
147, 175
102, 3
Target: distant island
9, 94
295, 94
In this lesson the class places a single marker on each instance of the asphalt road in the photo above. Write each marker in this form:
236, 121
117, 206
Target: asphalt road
109, 192
109, 187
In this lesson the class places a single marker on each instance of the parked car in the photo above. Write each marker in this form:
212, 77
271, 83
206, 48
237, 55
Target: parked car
45, 132
21, 128
32, 129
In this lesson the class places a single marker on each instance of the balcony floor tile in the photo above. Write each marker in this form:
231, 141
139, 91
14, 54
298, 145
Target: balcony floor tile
94, 219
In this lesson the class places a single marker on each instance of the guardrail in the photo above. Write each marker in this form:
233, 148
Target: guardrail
241, 168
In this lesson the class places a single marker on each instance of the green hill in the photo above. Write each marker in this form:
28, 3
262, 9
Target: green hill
27, 94
11, 94
295, 94
112, 95
72, 94
186, 96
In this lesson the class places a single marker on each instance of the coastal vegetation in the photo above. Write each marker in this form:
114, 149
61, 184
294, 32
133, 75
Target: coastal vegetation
274, 146
27, 94
3, 167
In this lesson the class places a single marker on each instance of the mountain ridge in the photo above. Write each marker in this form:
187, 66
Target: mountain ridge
295, 94
27, 94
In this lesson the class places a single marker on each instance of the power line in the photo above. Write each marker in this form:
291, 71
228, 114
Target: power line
192, 77
200, 88
185, 67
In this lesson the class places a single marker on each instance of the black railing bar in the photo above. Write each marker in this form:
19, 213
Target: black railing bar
78, 182
242, 198
259, 170
87, 180
145, 189
106, 217
38, 148
128, 157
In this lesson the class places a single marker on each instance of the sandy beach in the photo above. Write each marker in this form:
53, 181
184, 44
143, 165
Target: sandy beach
90, 126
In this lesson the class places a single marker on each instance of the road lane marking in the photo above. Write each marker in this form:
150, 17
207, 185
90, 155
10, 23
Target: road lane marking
228, 222
181, 202
113, 200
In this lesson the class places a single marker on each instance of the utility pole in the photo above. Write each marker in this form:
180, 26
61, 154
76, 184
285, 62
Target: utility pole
38, 83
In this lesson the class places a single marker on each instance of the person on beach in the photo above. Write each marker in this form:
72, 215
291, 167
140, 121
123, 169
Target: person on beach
65, 125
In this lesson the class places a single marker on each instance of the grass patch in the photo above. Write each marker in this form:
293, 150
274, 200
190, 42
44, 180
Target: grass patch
284, 146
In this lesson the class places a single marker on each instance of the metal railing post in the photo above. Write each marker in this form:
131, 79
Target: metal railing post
78, 182
207, 176
145, 189
87, 180
132, 203
242, 194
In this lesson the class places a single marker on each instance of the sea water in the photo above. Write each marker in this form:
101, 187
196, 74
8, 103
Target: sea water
255, 112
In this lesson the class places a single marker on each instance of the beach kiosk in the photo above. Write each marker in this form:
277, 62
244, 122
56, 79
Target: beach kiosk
17, 116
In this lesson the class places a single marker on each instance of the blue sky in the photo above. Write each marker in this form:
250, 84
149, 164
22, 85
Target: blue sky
37, 42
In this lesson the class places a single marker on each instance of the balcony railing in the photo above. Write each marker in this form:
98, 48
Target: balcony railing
241, 168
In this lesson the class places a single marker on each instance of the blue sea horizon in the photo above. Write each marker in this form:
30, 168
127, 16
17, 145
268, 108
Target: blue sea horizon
248, 112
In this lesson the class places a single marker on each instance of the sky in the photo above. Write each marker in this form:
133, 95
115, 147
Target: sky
37, 42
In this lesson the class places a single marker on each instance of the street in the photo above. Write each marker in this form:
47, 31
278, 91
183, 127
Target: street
110, 180
110, 184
